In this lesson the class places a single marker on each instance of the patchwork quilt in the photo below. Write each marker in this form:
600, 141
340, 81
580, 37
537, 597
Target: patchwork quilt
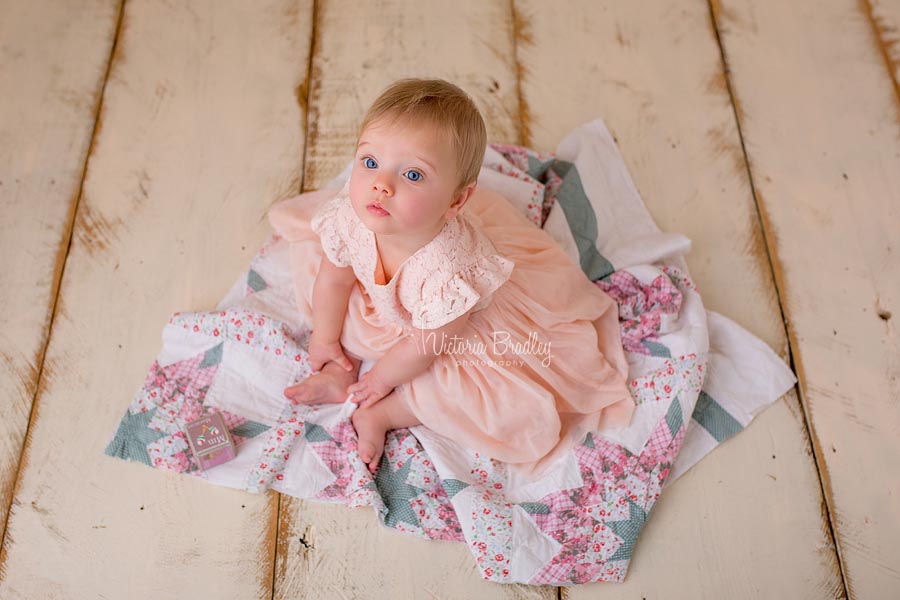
696, 376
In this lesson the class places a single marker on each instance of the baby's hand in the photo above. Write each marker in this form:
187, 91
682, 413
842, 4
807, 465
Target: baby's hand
368, 390
320, 353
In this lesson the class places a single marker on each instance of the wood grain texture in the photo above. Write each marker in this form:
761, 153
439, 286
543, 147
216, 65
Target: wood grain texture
328, 551
360, 49
884, 17
200, 131
53, 62
825, 159
202, 127
653, 72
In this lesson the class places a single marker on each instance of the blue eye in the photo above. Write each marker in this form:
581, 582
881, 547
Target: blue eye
413, 175
370, 162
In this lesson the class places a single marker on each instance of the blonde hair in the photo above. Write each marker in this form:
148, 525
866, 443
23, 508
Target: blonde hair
444, 105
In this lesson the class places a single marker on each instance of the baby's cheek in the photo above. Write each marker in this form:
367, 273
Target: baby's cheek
356, 184
417, 210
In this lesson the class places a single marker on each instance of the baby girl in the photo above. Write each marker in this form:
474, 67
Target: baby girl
479, 326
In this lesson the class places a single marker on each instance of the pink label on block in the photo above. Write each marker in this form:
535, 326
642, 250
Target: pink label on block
210, 440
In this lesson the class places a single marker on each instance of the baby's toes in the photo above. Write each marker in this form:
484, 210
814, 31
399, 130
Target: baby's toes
376, 460
366, 450
298, 395
373, 467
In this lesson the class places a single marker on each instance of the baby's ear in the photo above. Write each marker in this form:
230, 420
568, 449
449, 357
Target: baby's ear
461, 198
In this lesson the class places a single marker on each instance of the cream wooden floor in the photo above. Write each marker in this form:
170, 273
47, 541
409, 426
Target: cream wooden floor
142, 143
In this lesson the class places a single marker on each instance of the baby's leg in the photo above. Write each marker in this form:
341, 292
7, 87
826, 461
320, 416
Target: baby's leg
372, 423
328, 386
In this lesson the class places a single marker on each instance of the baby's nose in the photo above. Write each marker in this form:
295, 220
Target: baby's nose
381, 185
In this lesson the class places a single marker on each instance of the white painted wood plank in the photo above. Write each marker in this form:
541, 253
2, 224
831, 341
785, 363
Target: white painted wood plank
359, 49
653, 72
53, 60
200, 132
825, 161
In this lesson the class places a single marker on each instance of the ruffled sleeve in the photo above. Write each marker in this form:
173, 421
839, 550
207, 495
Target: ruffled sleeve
330, 224
443, 299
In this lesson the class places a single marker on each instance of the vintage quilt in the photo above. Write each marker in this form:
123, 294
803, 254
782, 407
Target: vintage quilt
697, 379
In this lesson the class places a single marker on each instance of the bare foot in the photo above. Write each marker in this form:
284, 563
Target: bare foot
328, 386
371, 427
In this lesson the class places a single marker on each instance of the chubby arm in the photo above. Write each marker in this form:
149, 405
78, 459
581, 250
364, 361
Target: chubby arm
409, 357
331, 294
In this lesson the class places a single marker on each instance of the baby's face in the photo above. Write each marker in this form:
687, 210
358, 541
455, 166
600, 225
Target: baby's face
403, 179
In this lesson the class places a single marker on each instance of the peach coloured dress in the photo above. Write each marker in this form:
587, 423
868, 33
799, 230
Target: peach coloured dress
540, 362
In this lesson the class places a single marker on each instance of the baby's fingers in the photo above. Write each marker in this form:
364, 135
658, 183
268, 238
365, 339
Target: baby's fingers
344, 362
359, 393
